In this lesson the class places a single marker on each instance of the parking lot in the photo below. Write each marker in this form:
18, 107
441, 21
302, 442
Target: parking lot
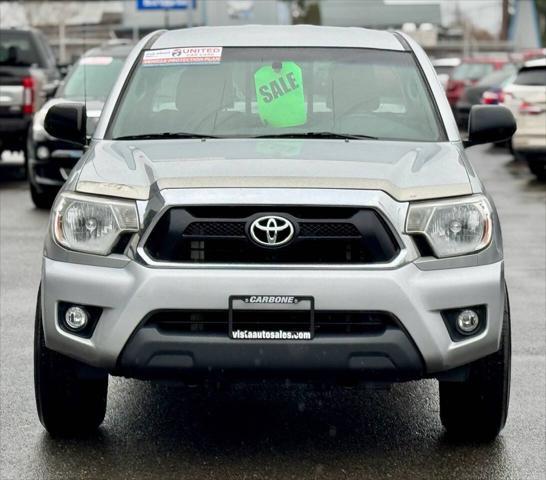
168, 431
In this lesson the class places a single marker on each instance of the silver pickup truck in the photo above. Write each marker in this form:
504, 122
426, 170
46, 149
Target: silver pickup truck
269, 202
28, 74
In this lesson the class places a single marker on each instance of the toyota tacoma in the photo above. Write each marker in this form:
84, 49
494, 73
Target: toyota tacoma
266, 202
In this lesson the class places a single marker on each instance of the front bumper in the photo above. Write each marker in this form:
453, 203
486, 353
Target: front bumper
388, 356
416, 297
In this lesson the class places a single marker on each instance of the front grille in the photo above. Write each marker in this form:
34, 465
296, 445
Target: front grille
198, 322
323, 235
333, 230
237, 230
215, 229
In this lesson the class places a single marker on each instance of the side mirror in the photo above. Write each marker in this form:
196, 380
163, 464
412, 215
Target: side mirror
489, 124
67, 122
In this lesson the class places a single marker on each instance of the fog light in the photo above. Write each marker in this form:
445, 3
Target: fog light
76, 318
467, 321
42, 152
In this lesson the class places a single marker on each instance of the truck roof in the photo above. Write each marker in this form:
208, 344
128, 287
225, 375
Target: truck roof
279, 36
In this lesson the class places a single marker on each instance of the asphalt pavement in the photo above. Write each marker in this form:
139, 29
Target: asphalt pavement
168, 431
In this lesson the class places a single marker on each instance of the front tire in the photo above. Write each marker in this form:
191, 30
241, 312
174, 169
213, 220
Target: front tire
70, 396
476, 409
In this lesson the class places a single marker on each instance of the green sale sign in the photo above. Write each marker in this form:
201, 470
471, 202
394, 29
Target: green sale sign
279, 91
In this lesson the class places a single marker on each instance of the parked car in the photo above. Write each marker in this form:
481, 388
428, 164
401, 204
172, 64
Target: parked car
526, 97
233, 219
490, 86
468, 73
444, 68
90, 81
28, 74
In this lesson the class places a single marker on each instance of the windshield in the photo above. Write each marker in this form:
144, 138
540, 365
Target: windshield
260, 92
531, 76
99, 74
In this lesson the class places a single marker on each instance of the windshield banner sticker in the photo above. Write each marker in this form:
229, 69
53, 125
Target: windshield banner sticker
183, 55
96, 60
279, 91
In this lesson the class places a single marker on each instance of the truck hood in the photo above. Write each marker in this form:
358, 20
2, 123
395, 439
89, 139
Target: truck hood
404, 170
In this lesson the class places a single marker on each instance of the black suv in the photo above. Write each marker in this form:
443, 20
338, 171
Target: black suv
28, 74
89, 81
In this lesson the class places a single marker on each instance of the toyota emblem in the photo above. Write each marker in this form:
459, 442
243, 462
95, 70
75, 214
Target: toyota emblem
271, 231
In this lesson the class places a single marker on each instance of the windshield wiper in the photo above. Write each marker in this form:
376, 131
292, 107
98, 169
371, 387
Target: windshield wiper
344, 136
154, 136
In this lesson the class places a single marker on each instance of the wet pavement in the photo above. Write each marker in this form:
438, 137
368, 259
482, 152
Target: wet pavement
276, 431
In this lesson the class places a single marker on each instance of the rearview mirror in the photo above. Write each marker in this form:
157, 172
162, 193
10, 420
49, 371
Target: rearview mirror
489, 124
67, 122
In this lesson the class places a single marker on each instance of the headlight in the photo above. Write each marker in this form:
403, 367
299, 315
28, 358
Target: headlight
452, 227
92, 224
